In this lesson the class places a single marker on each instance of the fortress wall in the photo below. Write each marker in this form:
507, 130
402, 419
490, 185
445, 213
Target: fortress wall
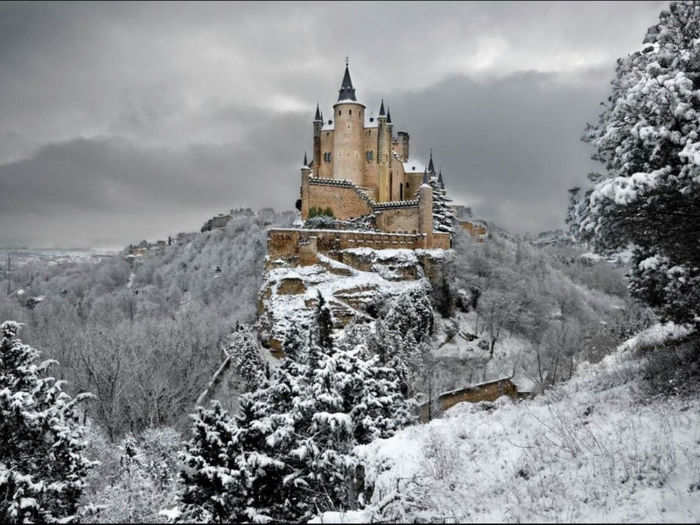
485, 392
345, 201
398, 219
286, 242
441, 240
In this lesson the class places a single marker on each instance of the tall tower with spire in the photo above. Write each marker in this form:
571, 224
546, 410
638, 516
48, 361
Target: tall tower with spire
318, 124
348, 139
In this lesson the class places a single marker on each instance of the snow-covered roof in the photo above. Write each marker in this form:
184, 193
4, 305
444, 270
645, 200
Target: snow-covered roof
373, 123
413, 166
328, 127
349, 101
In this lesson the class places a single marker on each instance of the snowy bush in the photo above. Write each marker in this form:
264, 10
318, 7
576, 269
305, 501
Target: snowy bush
136, 478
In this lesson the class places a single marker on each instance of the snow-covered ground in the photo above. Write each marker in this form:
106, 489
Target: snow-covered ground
594, 449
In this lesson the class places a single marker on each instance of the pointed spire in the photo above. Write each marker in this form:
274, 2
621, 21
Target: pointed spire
388, 115
381, 109
441, 181
347, 92
318, 116
431, 168
425, 176
306, 163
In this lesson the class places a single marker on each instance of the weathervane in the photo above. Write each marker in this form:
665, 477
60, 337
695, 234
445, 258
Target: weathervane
347, 61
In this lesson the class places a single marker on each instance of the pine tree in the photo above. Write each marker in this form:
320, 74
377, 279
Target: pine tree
247, 359
443, 216
214, 484
42, 467
324, 322
289, 454
648, 139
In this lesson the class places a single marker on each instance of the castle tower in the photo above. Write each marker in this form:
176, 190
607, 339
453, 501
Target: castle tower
318, 124
305, 175
425, 212
383, 156
349, 116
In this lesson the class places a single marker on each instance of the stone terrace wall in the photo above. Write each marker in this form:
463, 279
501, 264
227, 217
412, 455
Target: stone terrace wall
343, 198
284, 242
441, 240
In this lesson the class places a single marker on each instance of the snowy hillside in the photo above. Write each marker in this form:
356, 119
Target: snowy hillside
596, 448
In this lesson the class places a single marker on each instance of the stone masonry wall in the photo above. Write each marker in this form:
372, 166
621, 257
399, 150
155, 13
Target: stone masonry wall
285, 242
345, 201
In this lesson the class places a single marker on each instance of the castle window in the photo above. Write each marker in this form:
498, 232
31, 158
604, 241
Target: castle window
370, 156
340, 112
350, 111
327, 156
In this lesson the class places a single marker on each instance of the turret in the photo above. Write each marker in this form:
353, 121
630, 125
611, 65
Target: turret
348, 138
425, 212
304, 191
402, 147
318, 124
431, 167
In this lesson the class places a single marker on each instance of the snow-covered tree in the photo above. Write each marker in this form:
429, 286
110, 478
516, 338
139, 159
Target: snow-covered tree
42, 461
443, 216
289, 453
648, 139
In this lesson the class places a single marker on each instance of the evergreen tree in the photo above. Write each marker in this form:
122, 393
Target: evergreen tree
649, 142
443, 216
42, 466
289, 454
324, 322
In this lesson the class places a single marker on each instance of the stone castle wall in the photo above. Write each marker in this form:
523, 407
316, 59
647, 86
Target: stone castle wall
345, 200
287, 242
400, 219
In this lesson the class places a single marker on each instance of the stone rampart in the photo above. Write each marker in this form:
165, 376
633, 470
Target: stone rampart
289, 242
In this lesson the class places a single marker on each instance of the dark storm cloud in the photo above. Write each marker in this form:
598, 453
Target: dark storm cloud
123, 121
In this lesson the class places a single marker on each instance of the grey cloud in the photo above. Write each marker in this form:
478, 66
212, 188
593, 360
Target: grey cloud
153, 116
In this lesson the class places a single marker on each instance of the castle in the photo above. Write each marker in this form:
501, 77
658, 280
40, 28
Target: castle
362, 172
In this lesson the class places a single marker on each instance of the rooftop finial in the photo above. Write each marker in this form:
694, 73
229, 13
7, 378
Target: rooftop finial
347, 61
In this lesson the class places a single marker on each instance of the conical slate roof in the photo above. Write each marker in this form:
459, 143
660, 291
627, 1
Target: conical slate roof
381, 109
347, 92
431, 168
441, 181
318, 116
388, 115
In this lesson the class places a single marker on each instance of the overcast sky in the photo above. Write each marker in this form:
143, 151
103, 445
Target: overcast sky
120, 122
